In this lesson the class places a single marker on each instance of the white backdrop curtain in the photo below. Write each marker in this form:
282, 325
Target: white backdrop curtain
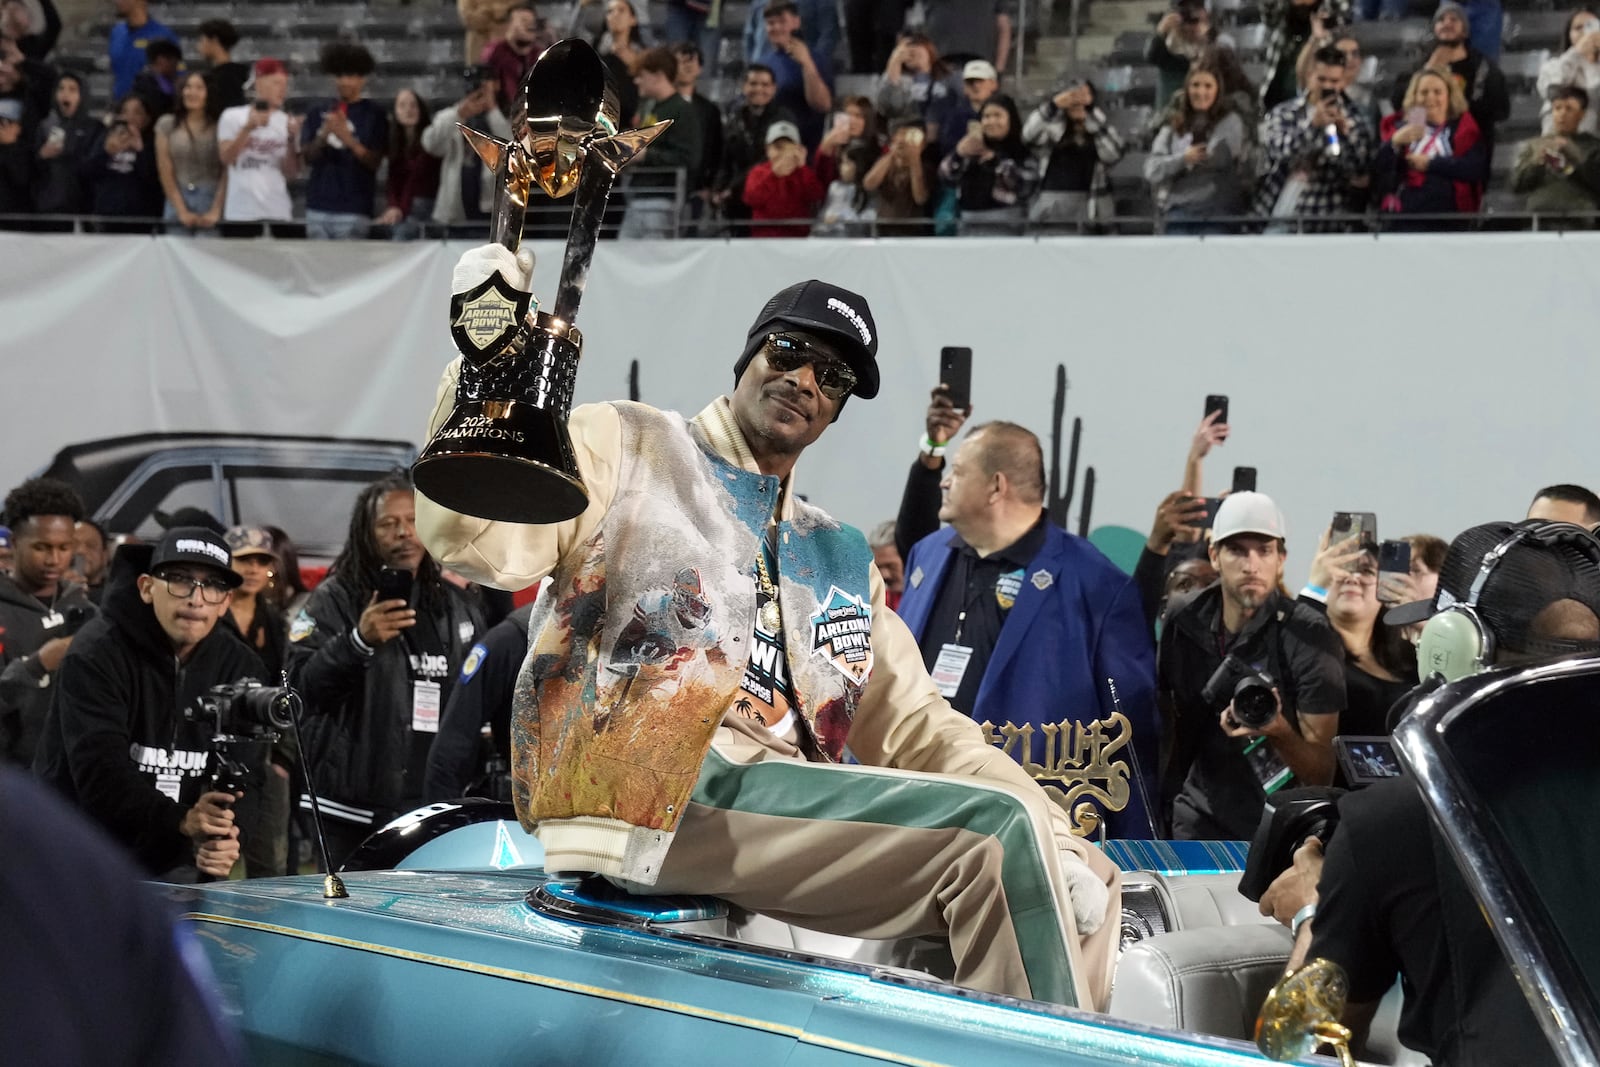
1435, 380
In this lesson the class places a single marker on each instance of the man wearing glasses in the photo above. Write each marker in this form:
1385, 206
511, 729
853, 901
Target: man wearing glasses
710, 757
117, 741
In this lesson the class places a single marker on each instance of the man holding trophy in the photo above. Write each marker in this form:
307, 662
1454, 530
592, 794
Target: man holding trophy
711, 645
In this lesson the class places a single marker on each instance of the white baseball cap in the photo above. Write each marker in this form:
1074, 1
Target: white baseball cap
1242, 513
978, 70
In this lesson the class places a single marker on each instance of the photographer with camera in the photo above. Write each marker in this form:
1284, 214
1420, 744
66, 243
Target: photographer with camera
377, 651
39, 609
124, 739
1251, 683
1537, 596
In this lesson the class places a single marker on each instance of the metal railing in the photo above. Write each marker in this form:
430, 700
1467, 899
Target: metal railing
549, 222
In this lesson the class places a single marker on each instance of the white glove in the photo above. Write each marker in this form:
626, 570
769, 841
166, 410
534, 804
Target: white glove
478, 263
1089, 894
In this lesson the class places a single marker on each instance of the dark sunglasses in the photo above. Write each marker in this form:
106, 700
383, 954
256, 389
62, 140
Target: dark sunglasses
786, 353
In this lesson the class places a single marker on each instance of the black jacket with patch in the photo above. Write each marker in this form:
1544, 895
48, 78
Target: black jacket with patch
26, 623
116, 740
357, 741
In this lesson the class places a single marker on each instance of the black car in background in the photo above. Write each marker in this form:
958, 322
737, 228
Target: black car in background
306, 485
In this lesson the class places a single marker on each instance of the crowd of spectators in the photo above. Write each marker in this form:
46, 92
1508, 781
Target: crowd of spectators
1031, 632
938, 147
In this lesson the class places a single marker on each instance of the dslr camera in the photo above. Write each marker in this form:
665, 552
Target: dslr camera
246, 709
1254, 705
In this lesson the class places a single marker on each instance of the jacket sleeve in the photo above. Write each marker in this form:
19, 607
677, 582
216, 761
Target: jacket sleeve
512, 555
1149, 574
436, 138
903, 722
1530, 171
1471, 166
1107, 141
38, 45
1124, 654
919, 507
22, 677
811, 189
1036, 128
476, 700
1496, 99
1565, 69
92, 703
1162, 165
1157, 52
1360, 147
760, 186
952, 167
324, 663
1283, 139
680, 146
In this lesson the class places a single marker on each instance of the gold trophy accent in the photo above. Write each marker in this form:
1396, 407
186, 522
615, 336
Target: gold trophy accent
1302, 1013
504, 452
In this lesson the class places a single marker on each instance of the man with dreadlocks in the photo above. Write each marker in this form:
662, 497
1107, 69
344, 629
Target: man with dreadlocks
375, 673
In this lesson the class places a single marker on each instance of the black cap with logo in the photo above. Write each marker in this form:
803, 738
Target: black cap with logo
198, 546
833, 314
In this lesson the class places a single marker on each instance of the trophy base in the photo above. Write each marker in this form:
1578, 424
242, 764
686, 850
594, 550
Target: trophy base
483, 463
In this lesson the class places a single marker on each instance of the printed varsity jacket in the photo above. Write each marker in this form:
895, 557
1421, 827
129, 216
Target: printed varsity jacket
607, 746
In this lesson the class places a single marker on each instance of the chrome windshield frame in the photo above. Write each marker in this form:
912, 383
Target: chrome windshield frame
1525, 935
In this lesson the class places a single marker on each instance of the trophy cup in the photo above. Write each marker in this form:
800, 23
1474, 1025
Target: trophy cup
504, 452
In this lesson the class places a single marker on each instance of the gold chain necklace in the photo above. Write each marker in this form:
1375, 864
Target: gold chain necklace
771, 619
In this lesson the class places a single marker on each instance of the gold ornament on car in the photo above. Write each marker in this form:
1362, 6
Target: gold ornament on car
1302, 1014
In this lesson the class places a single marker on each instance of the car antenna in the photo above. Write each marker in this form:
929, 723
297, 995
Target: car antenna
1138, 773
332, 885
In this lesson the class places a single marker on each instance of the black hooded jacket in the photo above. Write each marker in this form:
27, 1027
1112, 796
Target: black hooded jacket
116, 741
26, 623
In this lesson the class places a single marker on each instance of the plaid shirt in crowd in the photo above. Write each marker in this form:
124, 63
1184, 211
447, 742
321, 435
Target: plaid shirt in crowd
1275, 13
1289, 142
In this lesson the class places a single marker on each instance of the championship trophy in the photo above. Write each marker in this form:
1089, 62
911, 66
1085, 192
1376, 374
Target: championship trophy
504, 452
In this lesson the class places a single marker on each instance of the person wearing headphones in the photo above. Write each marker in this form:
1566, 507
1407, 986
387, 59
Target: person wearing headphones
1508, 594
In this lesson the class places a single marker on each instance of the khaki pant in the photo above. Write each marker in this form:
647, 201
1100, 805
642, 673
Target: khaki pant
874, 853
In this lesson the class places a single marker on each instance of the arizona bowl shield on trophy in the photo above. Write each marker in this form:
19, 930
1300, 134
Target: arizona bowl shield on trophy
504, 452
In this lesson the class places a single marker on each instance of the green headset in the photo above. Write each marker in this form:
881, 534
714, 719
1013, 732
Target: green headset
1455, 642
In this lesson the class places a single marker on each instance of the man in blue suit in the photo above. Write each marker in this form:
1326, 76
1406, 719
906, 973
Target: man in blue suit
1026, 628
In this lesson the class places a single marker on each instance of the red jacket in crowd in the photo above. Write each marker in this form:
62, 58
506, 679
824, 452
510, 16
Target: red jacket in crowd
771, 197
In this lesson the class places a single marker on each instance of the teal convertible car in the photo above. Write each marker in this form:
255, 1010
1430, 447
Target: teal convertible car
464, 951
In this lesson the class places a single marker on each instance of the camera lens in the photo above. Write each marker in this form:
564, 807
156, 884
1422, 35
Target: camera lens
1253, 703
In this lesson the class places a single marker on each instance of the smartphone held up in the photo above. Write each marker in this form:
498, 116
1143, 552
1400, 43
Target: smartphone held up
955, 375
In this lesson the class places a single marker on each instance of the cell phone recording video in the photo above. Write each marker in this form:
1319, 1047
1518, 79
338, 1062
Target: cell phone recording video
394, 584
1217, 403
261, 105
1394, 567
1360, 525
1244, 479
1212, 503
955, 373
